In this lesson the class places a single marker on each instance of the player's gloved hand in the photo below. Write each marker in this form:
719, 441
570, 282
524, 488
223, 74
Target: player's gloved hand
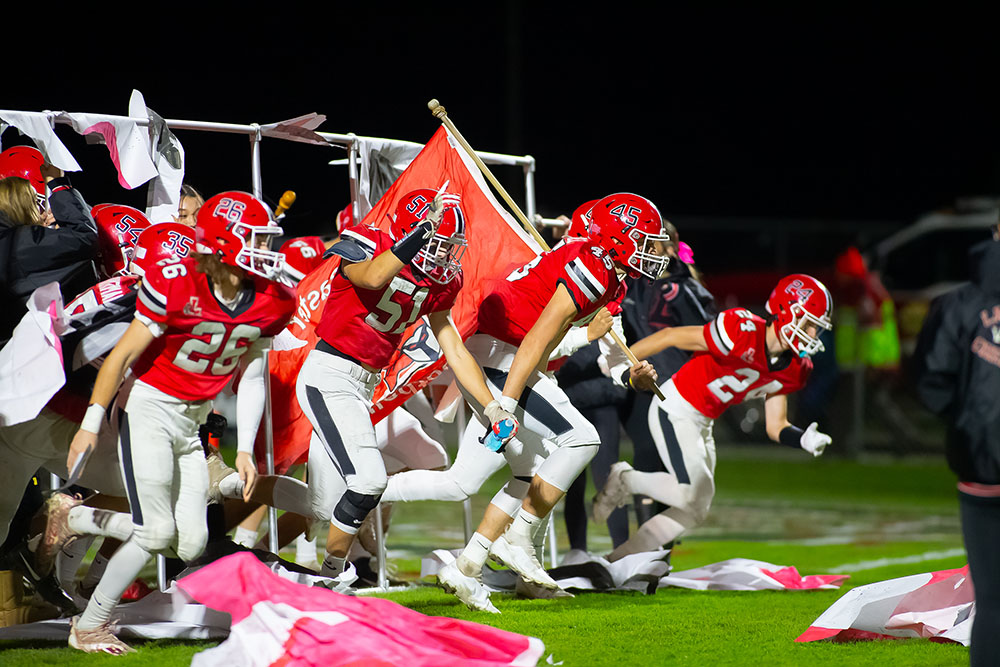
496, 412
813, 441
642, 376
247, 469
435, 213
600, 325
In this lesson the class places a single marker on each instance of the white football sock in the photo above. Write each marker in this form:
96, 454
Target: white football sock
522, 528
122, 570
245, 537
92, 521
231, 486
474, 556
305, 550
333, 566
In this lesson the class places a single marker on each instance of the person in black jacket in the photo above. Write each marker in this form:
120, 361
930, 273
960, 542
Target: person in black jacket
958, 376
33, 253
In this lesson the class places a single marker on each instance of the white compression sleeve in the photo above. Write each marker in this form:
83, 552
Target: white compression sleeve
250, 397
613, 360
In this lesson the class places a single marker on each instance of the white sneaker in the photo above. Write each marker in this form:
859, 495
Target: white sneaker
614, 494
521, 559
469, 590
98, 640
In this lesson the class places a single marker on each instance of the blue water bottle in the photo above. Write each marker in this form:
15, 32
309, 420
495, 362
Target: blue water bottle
496, 437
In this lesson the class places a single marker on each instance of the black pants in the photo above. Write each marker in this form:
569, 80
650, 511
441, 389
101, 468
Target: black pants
981, 531
605, 420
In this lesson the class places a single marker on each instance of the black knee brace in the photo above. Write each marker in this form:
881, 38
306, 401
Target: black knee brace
354, 507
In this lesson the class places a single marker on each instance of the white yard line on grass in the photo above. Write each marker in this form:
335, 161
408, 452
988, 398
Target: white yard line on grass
901, 560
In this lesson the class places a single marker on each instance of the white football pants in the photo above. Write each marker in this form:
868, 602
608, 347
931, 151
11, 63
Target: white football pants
163, 467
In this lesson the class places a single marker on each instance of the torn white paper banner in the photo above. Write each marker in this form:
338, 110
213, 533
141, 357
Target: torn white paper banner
382, 161
297, 129
743, 574
935, 605
164, 194
637, 572
127, 141
38, 127
31, 363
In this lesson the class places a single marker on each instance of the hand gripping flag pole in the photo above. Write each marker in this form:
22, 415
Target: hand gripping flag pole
439, 112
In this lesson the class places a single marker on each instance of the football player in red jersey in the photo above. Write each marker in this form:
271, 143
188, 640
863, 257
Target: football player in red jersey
737, 356
197, 320
521, 320
386, 281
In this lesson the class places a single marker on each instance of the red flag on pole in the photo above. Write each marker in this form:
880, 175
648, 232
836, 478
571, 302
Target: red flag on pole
495, 243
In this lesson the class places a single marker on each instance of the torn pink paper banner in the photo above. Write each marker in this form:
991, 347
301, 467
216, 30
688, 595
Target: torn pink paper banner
939, 606
743, 574
276, 621
127, 141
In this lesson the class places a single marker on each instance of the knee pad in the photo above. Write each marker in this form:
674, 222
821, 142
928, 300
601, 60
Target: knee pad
155, 536
566, 463
352, 510
191, 543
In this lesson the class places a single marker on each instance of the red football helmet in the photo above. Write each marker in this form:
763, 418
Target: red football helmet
118, 229
801, 307
441, 257
237, 228
629, 227
304, 253
345, 218
579, 225
25, 162
158, 242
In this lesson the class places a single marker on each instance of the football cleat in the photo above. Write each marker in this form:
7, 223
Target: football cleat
57, 531
469, 590
521, 558
217, 471
99, 640
614, 494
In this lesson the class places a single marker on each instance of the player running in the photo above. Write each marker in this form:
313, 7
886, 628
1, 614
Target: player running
385, 282
197, 320
521, 320
737, 356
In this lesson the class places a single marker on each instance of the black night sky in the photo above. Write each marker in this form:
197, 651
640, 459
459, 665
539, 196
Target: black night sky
831, 115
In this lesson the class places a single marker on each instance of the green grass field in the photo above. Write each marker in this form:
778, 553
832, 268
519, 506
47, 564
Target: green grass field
875, 520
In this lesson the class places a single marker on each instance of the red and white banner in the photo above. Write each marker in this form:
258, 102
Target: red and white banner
743, 574
939, 606
495, 242
279, 622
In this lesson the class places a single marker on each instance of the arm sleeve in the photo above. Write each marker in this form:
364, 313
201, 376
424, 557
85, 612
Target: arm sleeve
250, 397
574, 339
613, 361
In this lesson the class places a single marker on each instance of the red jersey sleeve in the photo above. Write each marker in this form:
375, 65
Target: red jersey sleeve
154, 290
731, 332
586, 278
282, 305
615, 305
